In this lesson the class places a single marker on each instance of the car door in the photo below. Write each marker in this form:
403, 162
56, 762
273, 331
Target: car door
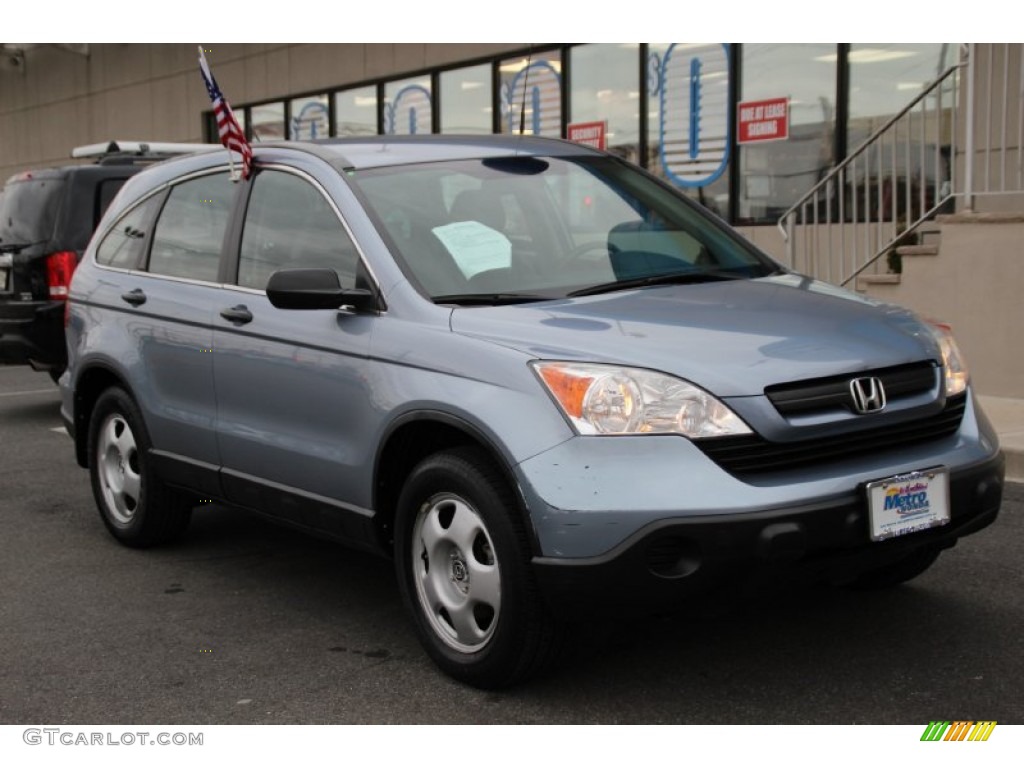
293, 394
164, 304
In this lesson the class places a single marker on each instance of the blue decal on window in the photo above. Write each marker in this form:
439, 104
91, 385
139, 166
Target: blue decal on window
311, 122
415, 99
545, 85
694, 130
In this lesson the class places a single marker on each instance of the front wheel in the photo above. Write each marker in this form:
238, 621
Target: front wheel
137, 508
463, 563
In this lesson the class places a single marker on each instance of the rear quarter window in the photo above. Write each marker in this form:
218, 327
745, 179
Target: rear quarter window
124, 244
29, 210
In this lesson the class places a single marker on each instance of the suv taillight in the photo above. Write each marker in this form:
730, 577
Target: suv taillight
60, 267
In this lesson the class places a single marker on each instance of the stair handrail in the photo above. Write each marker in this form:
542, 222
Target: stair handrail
784, 225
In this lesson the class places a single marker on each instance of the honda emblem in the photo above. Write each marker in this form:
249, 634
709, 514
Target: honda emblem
868, 394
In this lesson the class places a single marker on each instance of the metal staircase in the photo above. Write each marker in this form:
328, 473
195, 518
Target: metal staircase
959, 139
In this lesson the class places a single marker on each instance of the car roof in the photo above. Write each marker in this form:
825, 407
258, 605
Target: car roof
360, 154
380, 151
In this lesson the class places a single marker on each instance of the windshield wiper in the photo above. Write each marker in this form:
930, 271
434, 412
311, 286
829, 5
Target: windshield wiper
487, 299
671, 278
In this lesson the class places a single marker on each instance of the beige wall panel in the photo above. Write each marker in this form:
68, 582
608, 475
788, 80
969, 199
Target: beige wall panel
255, 80
14, 85
975, 284
56, 74
174, 58
278, 75
118, 114
231, 76
380, 59
314, 67
62, 127
224, 52
768, 239
123, 64
440, 54
410, 57
172, 121
350, 64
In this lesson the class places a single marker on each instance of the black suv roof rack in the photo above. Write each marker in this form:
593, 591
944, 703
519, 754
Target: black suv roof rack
122, 152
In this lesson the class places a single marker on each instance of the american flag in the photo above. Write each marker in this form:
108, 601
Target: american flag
231, 134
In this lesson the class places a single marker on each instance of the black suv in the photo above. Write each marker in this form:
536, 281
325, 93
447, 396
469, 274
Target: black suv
46, 219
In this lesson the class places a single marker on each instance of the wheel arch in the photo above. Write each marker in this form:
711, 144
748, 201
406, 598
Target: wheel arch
89, 385
410, 439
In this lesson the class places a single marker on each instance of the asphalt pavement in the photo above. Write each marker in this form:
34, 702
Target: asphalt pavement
247, 622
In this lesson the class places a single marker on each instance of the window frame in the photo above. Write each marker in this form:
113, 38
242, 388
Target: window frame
166, 191
233, 244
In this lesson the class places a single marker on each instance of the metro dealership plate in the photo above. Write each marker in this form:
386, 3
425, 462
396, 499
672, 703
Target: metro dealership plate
908, 503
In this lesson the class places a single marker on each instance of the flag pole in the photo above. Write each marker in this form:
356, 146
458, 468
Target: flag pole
235, 175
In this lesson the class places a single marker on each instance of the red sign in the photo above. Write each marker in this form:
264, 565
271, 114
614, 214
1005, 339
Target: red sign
591, 134
766, 120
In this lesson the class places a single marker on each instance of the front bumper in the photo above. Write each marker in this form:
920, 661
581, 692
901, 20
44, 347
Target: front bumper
669, 560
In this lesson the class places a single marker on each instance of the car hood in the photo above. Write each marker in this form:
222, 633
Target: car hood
733, 338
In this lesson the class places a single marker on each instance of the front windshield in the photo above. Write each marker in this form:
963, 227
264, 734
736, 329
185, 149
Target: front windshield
533, 228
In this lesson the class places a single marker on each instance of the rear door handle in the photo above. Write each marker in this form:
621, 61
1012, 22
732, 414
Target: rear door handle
238, 314
135, 297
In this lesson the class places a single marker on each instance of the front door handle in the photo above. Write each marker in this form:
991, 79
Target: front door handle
135, 297
238, 314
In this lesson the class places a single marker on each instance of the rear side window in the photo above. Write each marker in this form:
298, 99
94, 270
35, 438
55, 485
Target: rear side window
124, 245
29, 211
189, 234
289, 224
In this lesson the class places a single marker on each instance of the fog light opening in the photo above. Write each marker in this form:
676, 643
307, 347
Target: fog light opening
673, 557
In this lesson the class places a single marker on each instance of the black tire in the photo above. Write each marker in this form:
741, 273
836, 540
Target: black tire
459, 523
909, 567
137, 508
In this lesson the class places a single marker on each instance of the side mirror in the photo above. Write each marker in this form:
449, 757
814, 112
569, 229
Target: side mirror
316, 289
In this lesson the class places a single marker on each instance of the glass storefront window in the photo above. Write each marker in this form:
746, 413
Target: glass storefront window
268, 122
531, 94
408, 106
775, 174
688, 119
310, 118
605, 86
466, 100
884, 78
355, 112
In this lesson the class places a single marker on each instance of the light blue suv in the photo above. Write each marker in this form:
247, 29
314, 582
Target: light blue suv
541, 380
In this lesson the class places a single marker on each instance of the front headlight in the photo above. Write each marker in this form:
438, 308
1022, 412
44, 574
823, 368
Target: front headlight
611, 400
953, 365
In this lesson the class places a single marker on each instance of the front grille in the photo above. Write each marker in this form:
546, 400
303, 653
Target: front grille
752, 455
813, 395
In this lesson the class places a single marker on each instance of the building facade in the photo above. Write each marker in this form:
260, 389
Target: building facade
747, 129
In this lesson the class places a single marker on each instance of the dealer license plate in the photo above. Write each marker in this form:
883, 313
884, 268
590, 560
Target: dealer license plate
908, 503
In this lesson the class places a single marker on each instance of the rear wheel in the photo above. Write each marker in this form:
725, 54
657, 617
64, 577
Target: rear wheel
908, 567
136, 507
463, 564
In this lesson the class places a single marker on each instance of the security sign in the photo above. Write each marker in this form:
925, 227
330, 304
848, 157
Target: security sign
766, 120
592, 134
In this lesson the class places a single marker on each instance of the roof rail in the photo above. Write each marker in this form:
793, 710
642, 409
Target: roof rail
139, 149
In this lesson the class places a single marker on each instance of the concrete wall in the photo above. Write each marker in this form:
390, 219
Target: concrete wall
57, 99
